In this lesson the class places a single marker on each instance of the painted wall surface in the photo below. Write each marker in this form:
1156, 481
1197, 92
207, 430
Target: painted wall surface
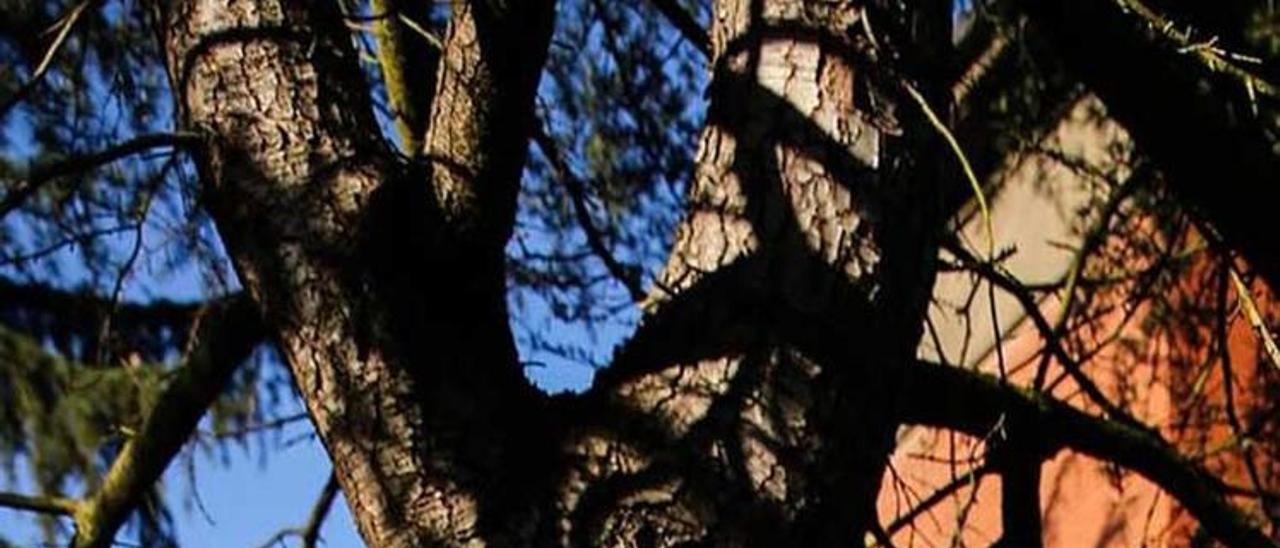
1164, 376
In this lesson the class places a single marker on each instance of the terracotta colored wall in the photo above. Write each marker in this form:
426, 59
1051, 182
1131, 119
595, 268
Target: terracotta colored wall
1158, 364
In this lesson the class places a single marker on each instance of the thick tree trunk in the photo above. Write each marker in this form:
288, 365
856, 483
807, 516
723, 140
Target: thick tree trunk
756, 405
288, 184
398, 342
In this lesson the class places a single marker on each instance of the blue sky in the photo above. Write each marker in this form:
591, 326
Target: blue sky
244, 502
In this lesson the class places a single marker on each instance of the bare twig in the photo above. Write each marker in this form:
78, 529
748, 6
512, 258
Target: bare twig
41, 176
577, 194
969, 478
70, 240
57, 506
63, 28
971, 402
1053, 343
1093, 239
260, 427
685, 23
1256, 320
310, 532
1228, 385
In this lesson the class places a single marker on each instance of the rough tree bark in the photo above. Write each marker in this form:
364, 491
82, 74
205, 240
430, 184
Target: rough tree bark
409, 371
757, 403
805, 220
396, 332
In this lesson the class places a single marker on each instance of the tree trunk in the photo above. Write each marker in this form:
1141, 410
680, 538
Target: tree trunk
757, 403
399, 344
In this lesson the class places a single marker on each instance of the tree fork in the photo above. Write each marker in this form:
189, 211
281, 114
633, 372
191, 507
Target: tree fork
424, 426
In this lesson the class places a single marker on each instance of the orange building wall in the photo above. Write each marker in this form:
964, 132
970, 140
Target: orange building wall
1161, 368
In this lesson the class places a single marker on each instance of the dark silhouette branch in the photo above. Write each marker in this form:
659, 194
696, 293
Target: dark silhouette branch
72, 320
1052, 339
1187, 104
43, 175
684, 22
309, 533
966, 479
972, 402
1019, 495
625, 275
320, 511
1093, 239
274, 424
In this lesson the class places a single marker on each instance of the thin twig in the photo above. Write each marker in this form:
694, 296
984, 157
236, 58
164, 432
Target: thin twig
310, 532
1093, 239
1205, 52
63, 27
254, 428
577, 194
1053, 343
1256, 320
974, 184
41, 176
427, 35
684, 22
1228, 386
966, 479
57, 506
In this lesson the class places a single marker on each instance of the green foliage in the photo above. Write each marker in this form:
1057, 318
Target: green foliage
65, 419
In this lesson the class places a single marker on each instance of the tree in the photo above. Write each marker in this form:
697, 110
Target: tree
776, 356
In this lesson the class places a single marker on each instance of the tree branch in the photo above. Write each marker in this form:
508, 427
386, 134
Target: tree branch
482, 115
320, 511
972, 402
388, 309
627, 276
63, 26
1165, 87
56, 506
408, 63
686, 24
1052, 339
1019, 496
72, 320
310, 532
226, 338
42, 175
966, 479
